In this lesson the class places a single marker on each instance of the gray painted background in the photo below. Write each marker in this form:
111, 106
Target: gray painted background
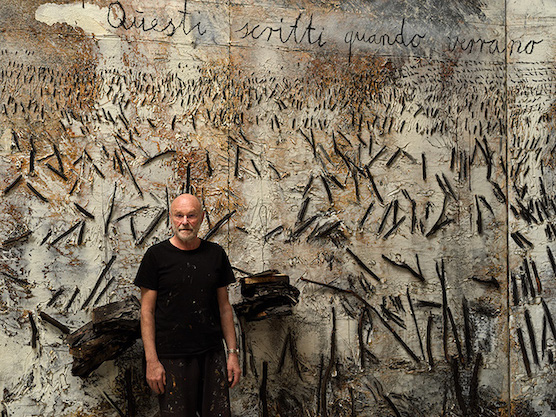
400, 152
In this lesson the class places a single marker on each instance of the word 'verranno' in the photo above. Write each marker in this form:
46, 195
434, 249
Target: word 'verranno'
492, 46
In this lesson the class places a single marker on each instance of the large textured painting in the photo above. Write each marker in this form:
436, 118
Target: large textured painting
394, 159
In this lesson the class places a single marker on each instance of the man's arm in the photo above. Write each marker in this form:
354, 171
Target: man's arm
156, 376
229, 331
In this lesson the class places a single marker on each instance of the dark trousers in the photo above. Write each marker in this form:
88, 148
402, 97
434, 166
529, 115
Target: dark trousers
196, 386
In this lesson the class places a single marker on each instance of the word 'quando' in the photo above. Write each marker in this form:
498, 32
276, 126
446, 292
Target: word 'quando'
401, 38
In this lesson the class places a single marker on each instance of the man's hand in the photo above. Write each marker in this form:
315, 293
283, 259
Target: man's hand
234, 371
156, 377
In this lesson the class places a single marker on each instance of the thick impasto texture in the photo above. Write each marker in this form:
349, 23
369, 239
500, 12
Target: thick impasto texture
394, 159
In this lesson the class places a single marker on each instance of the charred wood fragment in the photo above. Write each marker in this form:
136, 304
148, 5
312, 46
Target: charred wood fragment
528, 277
188, 178
479, 217
441, 221
328, 371
392, 406
58, 158
367, 212
236, 163
515, 291
324, 230
524, 354
455, 334
99, 280
373, 185
301, 228
374, 310
66, 233
429, 341
283, 354
303, 210
119, 163
384, 218
84, 211
474, 384
412, 311
151, 227
273, 232
131, 213
486, 204
448, 192
548, 316
393, 157
544, 335
263, 390
219, 224
74, 186
498, 193
290, 346
441, 276
128, 170
327, 189
457, 386
49, 319
394, 228
12, 185
532, 339
551, 259
308, 186
81, 233
390, 315
55, 297
489, 282
110, 281
34, 331
265, 295
428, 304
114, 327
110, 209
413, 216
405, 266
365, 313
157, 156
362, 264
55, 171
114, 405
16, 239
36, 192
378, 154
72, 299
467, 329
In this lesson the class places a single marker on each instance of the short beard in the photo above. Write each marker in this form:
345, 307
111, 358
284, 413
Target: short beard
183, 239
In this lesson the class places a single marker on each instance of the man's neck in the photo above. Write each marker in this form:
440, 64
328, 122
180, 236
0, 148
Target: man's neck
189, 245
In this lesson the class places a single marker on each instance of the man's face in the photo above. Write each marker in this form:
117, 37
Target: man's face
187, 216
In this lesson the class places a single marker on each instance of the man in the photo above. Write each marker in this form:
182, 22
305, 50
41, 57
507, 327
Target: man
185, 313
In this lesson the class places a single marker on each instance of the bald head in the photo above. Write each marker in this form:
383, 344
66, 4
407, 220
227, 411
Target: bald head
185, 199
186, 213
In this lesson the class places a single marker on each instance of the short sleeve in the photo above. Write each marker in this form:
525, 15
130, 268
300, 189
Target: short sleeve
147, 274
226, 273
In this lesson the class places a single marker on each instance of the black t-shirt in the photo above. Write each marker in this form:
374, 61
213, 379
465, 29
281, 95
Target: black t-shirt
187, 316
